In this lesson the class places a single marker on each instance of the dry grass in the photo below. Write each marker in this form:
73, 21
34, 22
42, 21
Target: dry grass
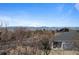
27, 42
21, 41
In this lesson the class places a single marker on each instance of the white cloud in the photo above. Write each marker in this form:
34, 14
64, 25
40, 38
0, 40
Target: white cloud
67, 13
77, 6
4, 20
10, 21
60, 8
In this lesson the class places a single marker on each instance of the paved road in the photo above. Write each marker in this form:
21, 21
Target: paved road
67, 36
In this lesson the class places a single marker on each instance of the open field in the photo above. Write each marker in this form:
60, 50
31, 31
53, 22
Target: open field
37, 42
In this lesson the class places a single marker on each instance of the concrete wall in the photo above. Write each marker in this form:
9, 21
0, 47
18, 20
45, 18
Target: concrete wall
64, 45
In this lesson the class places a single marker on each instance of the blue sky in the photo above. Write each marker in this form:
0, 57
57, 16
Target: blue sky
40, 14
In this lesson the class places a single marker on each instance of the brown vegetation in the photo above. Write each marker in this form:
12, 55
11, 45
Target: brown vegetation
22, 41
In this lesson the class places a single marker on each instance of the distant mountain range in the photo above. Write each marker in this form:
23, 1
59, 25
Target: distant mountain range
41, 28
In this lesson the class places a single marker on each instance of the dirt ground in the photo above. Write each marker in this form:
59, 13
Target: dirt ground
63, 52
